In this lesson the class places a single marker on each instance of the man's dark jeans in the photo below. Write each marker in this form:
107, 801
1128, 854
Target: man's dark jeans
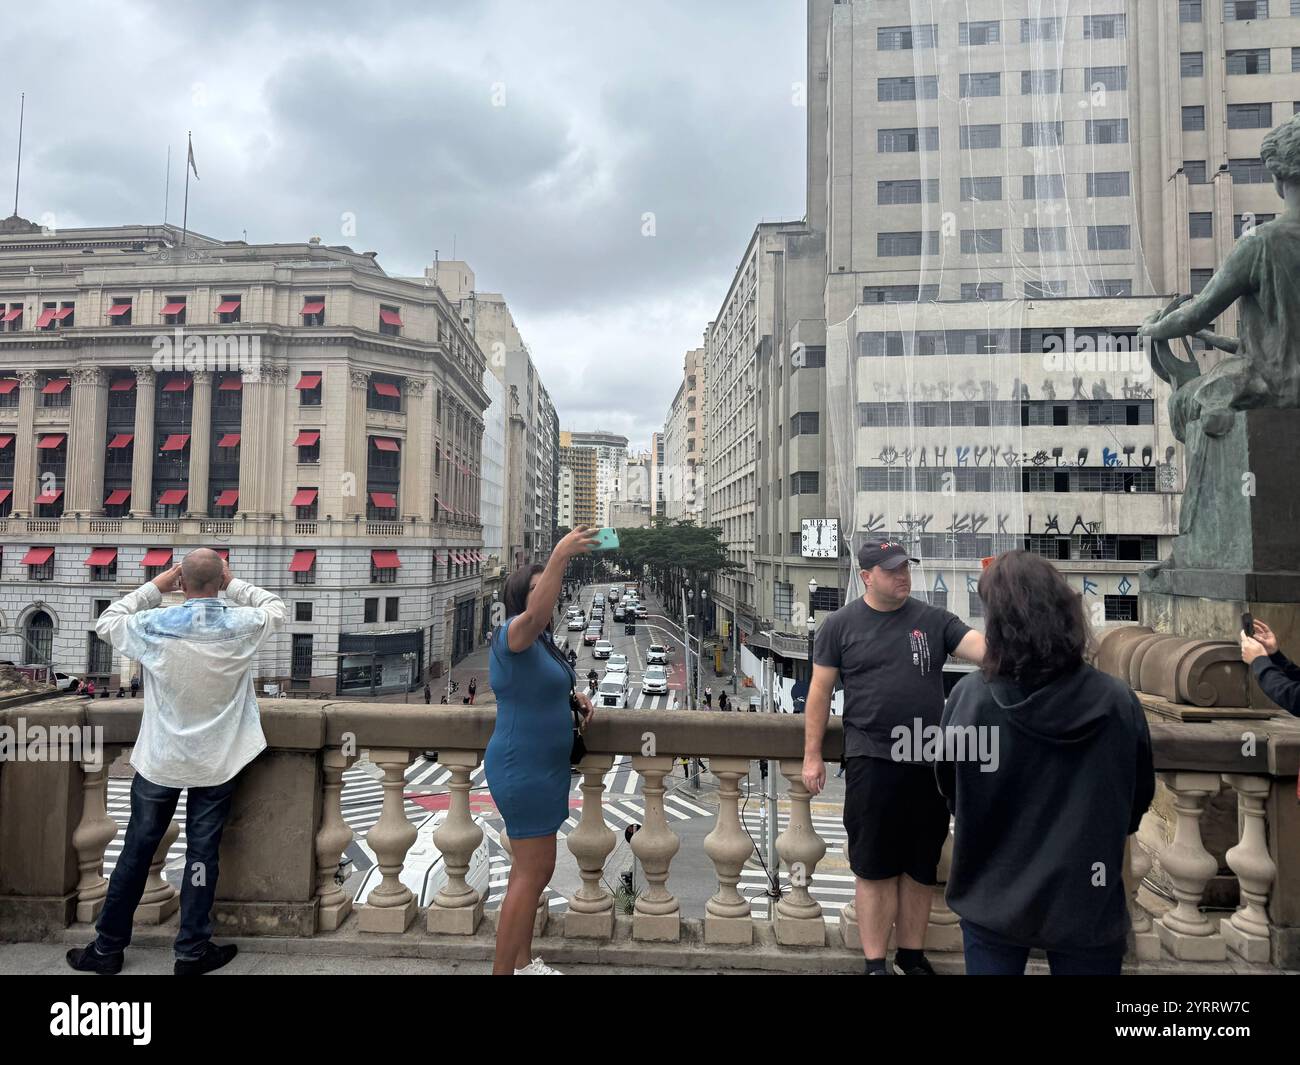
152, 807
987, 954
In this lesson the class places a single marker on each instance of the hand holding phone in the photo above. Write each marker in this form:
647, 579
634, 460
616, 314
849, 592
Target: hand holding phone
606, 540
1248, 624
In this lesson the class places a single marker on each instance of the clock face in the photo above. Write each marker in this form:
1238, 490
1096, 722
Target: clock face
820, 537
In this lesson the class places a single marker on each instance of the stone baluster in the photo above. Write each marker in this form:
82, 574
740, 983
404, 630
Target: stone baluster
657, 916
1185, 931
943, 932
160, 900
849, 933
1247, 930
332, 839
798, 915
390, 906
727, 915
591, 908
94, 832
1137, 863
457, 908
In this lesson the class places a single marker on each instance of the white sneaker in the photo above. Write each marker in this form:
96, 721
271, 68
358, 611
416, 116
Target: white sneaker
537, 967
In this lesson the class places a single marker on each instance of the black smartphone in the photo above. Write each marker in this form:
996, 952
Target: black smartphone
1248, 624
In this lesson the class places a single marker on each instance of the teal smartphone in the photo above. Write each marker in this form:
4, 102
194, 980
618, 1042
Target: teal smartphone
606, 540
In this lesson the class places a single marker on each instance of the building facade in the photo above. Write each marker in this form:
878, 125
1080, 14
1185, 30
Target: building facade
580, 462
684, 440
610, 453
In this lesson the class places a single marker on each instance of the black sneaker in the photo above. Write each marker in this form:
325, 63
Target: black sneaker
88, 960
920, 967
213, 957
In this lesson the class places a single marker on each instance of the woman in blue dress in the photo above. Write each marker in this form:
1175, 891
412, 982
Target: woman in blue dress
527, 759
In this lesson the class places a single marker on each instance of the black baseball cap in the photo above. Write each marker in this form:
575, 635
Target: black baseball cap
884, 553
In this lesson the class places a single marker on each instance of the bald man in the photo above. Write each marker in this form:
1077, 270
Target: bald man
200, 727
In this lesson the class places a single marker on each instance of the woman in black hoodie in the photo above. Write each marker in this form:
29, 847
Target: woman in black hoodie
1040, 826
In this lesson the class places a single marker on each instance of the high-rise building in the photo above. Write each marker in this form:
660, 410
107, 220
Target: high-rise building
610, 453
684, 469
657, 473
581, 481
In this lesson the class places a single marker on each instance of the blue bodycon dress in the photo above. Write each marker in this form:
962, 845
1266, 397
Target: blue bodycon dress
527, 759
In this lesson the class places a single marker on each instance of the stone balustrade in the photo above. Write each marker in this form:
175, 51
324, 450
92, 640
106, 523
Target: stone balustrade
286, 834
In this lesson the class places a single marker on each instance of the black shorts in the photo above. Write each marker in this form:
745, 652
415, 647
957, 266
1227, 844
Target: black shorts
896, 819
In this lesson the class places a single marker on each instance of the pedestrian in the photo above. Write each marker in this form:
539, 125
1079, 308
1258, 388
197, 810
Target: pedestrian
686, 767
1278, 676
199, 729
1061, 778
473, 689
887, 650
722, 701
89, 689
121, 692
135, 685
428, 694
442, 701
527, 759
708, 698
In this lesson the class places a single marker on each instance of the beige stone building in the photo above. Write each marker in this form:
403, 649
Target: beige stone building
578, 476
684, 439
292, 405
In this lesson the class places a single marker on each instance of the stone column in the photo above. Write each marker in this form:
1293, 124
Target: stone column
353, 488
331, 840
943, 932
94, 832
798, 915
657, 916
727, 916
24, 495
142, 456
416, 472
457, 908
87, 442
1185, 931
1247, 930
591, 908
390, 907
160, 900
1137, 863
200, 444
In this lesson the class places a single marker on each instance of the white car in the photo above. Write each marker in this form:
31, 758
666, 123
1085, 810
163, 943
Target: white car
603, 649
423, 869
577, 624
613, 691
64, 681
657, 655
654, 681
616, 664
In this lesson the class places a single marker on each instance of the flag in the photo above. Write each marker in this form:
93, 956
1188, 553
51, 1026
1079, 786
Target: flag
191, 160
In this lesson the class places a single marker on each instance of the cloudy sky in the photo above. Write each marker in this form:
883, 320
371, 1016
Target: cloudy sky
533, 138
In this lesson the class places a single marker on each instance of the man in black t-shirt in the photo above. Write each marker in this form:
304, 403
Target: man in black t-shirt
887, 650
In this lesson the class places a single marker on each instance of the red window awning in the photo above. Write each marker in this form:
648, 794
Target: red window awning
227, 306
55, 385
7, 385
173, 497
386, 443
119, 309
307, 437
121, 440
302, 561
173, 308
387, 388
309, 381
5, 493
312, 308
390, 317
11, 314
176, 442
157, 556
5, 440
384, 499
51, 496
62, 313
47, 316
233, 383
122, 384
37, 556
228, 498
117, 497
49, 443
384, 559
305, 497
228, 440
177, 384
458, 558
102, 556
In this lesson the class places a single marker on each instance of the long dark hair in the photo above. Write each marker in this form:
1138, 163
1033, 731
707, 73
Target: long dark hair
515, 598
1034, 624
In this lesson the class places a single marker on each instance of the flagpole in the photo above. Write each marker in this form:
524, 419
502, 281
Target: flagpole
185, 217
167, 187
22, 101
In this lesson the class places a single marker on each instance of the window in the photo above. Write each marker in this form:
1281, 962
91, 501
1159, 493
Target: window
372, 610
1295, 60
982, 84
782, 600
228, 310
99, 656
982, 290
302, 611
985, 136
908, 139
974, 604
1200, 278
1248, 61
981, 189
41, 568
1192, 65
1193, 118
1112, 78
1189, 10
1042, 134
391, 607
1040, 29
1104, 27
173, 311
313, 310
923, 88
305, 503
1040, 82
300, 661
974, 241
57, 391
1200, 225
1249, 171
1121, 608
382, 574
907, 243
978, 33
11, 319
1195, 171
1106, 131
1109, 238
1250, 116
1108, 183
390, 320
805, 423
813, 358
905, 38
1046, 239
384, 393
1044, 290
119, 310
1043, 186
308, 444
309, 389
893, 192
1110, 288
1244, 223
104, 573
1244, 10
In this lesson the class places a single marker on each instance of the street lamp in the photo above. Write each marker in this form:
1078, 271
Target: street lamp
812, 628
